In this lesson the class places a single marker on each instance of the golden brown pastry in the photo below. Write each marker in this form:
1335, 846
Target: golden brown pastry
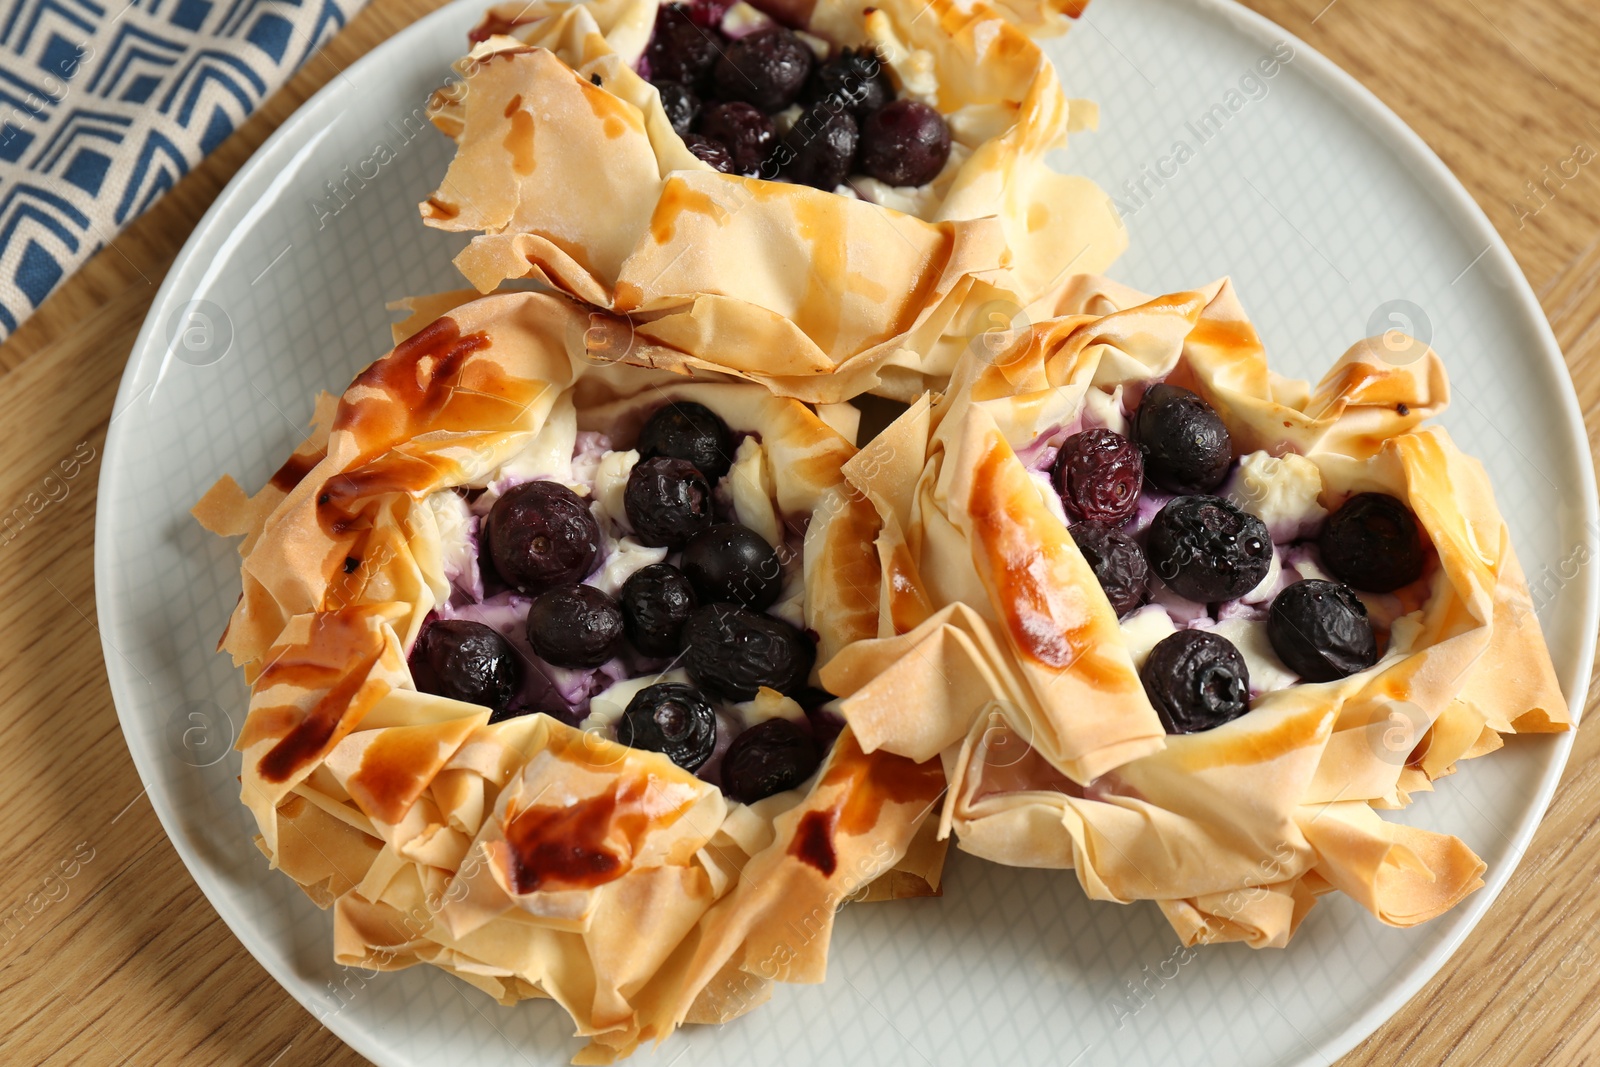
1000, 652
533, 855
570, 170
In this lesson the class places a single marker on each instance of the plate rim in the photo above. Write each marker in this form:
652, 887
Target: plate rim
299, 128
1419, 160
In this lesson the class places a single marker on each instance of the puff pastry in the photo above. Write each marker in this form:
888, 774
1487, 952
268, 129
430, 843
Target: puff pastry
569, 171
528, 856
999, 653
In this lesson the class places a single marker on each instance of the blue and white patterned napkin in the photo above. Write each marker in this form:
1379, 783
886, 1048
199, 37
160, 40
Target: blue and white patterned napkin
104, 108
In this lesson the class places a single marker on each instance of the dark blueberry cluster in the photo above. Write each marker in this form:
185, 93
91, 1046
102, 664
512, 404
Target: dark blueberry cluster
853, 78
743, 131
542, 540
682, 51
767, 68
823, 156
1206, 549
721, 94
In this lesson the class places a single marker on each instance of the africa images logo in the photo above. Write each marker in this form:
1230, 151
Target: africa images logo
1137, 192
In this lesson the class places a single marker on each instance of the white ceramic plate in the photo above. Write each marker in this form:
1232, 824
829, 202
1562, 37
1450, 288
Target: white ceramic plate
1335, 221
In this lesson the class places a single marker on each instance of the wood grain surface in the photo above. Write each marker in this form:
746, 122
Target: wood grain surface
122, 960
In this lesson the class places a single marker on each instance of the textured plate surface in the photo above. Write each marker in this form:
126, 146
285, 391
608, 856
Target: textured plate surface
1335, 221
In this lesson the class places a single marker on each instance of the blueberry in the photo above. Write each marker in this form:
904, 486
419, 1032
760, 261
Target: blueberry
541, 534
656, 601
708, 12
1118, 564
767, 68
734, 563
1321, 632
768, 758
712, 153
855, 80
1373, 542
675, 720
824, 149
681, 105
733, 652
680, 50
904, 143
1196, 680
1186, 447
667, 501
689, 431
575, 626
1206, 549
1099, 474
466, 661
743, 130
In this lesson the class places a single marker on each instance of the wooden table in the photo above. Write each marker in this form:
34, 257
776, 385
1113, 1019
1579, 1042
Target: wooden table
130, 964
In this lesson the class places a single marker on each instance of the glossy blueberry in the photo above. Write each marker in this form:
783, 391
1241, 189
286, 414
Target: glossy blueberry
675, 720
1206, 549
681, 105
767, 68
854, 80
768, 758
681, 50
541, 534
1321, 631
1373, 542
466, 661
712, 153
732, 652
733, 563
1098, 474
575, 626
667, 501
689, 431
823, 144
656, 602
744, 131
1196, 679
904, 143
1186, 446
1118, 564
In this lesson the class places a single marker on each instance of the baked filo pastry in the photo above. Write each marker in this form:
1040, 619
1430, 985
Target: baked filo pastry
843, 193
530, 641
1185, 626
